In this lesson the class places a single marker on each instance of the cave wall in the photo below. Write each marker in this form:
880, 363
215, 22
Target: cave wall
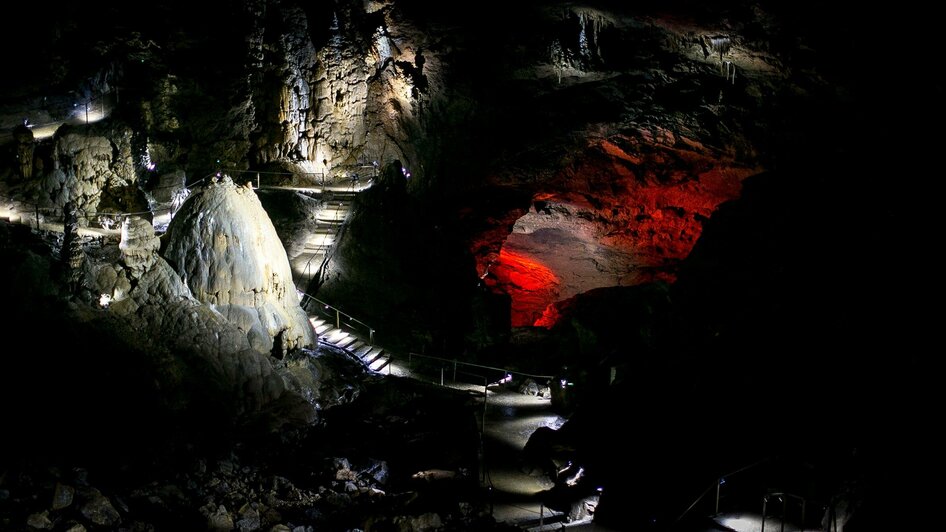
623, 128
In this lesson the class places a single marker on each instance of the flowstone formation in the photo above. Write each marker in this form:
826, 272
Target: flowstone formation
224, 246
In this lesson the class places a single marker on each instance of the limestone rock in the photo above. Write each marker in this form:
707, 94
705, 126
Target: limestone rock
40, 521
224, 246
24, 150
99, 510
62, 496
141, 278
148, 296
249, 519
220, 520
418, 523
84, 163
139, 245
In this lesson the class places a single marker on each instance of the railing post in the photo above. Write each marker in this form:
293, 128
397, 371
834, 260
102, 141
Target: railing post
371, 336
765, 501
719, 481
441, 375
485, 397
454, 370
338, 319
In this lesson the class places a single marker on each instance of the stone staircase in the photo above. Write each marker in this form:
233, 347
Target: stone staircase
328, 222
338, 197
375, 358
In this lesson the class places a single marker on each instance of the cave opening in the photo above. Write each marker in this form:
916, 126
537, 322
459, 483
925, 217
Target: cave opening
555, 251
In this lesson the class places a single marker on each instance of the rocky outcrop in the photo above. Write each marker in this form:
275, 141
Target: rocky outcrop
391, 252
190, 341
139, 246
23, 137
336, 90
85, 170
626, 212
224, 246
138, 278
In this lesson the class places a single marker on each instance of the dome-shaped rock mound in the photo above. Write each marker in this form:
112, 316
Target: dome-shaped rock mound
224, 246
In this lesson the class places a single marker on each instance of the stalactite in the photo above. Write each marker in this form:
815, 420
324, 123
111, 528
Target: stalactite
720, 44
558, 58
382, 46
596, 25
583, 48
728, 69
590, 24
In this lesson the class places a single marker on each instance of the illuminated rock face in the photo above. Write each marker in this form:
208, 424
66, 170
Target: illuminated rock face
224, 246
334, 91
625, 213
623, 128
142, 293
83, 167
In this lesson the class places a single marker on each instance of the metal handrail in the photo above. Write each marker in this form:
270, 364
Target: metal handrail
456, 362
718, 483
338, 316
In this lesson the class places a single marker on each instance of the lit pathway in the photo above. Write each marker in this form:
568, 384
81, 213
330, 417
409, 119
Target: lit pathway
338, 195
511, 417
83, 113
752, 522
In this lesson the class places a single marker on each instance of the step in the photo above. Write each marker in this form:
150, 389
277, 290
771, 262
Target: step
325, 230
332, 216
345, 342
310, 250
363, 350
373, 355
335, 335
313, 247
321, 328
380, 364
321, 239
355, 346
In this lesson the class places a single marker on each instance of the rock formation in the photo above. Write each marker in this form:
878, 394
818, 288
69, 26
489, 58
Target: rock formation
94, 172
224, 246
188, 341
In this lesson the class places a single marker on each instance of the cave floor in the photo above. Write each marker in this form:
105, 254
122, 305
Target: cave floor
510, 418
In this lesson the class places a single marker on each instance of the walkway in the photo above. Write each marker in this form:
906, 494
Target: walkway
338, 198
508, 418
511, 418
338, 194
80, 113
